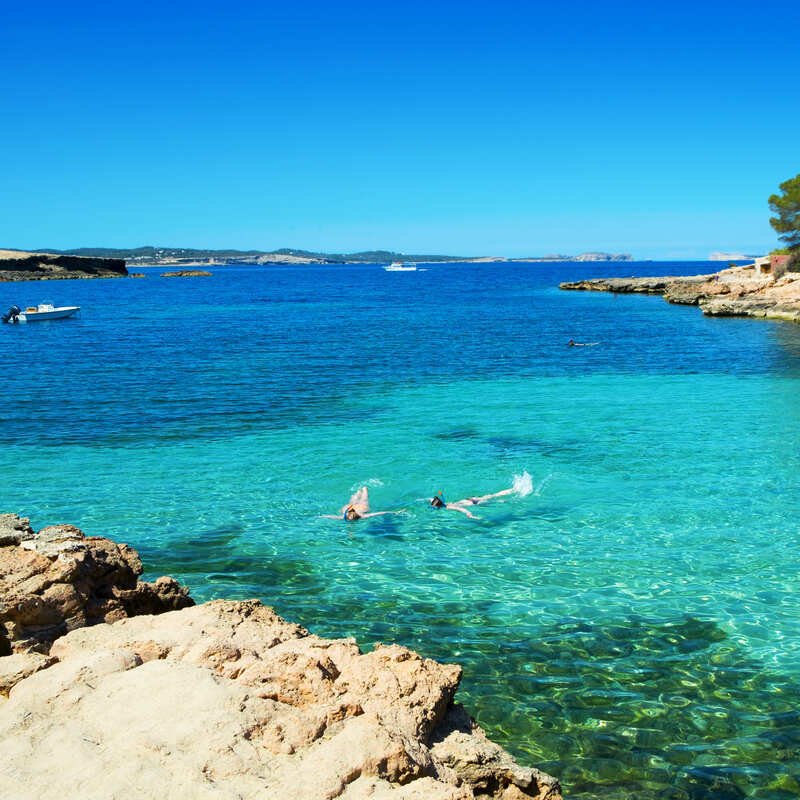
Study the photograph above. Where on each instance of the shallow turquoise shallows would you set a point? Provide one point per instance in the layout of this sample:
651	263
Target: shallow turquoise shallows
632	625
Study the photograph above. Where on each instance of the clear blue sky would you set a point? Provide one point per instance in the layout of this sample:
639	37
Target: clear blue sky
453	127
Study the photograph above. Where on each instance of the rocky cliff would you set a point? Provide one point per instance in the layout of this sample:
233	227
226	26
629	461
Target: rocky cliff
736	292
222	700
16	265
58	580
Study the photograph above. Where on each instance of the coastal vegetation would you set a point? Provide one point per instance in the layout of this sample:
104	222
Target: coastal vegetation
786	207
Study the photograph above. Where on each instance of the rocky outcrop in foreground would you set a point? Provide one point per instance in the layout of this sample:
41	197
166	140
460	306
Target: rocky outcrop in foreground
17	265
58	580
227	700
736	292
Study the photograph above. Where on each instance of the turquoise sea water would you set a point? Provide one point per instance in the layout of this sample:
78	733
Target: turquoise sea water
632	626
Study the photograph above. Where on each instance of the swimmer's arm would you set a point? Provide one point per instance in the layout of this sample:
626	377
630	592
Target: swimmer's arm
466	512
485	497
330	516
379	513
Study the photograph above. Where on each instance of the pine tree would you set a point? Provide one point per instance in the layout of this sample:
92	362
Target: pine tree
787	208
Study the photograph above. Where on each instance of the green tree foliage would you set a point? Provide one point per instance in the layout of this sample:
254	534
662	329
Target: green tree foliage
787	207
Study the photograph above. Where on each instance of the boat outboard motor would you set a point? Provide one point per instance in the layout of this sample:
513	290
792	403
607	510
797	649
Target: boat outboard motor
12	314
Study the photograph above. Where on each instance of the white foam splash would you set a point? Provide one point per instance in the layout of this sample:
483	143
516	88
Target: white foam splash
371	483
523	484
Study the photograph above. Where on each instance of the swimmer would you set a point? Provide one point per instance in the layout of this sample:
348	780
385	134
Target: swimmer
358	508
462	506
573	343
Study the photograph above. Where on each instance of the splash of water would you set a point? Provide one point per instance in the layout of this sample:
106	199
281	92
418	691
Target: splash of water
370	483
522	484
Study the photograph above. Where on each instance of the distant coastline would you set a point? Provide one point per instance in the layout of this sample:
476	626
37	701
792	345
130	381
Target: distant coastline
185	257
87	262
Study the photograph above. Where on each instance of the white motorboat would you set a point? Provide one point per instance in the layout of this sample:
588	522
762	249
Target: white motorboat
401	266
47	311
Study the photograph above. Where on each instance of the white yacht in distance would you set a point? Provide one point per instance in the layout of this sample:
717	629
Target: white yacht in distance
401	266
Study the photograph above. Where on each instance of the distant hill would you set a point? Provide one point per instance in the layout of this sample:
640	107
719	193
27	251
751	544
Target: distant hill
581	257
154	253
162	255
366	256
158	256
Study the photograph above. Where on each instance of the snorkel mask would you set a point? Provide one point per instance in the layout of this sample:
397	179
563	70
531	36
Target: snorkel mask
438	500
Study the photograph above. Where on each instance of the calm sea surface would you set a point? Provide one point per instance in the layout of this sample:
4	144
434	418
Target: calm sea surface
632	626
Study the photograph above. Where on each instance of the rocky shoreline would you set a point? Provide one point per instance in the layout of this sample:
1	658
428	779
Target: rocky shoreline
21	266
735	292
111	687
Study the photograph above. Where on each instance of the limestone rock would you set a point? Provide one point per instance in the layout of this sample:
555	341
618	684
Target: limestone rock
228	700
461	745
621	285
18	666
14	529
736	292
690	293
59	580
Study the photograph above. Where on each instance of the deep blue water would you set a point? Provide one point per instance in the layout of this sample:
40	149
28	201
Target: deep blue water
631	625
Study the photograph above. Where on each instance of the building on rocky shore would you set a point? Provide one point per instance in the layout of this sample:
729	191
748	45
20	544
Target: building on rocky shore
774	265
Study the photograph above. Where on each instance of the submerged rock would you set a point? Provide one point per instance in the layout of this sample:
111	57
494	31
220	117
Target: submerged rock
228	700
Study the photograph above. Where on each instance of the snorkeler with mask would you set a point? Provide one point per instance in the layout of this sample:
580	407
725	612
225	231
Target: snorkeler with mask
358	508
462	506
